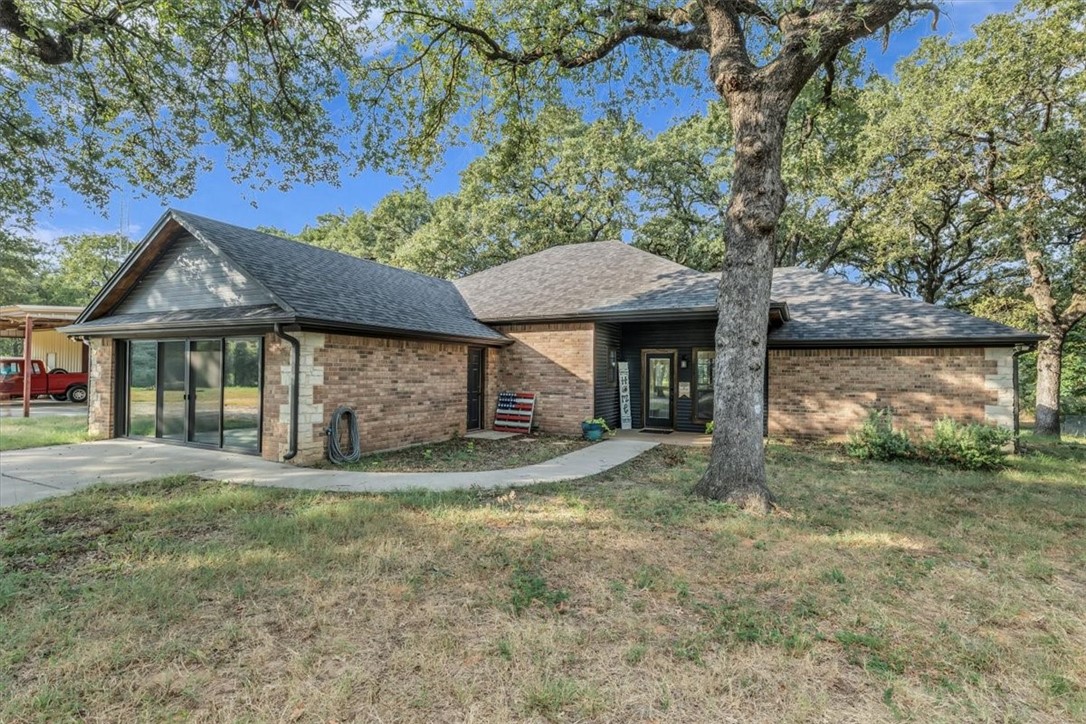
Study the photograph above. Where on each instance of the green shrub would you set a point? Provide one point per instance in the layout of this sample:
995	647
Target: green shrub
878	440
970	446
709	428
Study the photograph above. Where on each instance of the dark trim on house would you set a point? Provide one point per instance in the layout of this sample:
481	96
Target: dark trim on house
652	315
694	383
638	316
607	338
121	366
905	342
645	354
232	327
363	330
157	330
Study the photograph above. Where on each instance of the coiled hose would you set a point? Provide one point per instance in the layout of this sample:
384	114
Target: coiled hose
335	453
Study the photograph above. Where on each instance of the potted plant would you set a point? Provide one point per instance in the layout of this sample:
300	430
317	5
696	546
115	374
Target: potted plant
593	428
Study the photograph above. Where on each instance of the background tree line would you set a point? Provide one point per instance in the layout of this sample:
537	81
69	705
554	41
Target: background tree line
960	181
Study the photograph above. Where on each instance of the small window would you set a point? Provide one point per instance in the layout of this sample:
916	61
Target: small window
612	366
35	368
704	360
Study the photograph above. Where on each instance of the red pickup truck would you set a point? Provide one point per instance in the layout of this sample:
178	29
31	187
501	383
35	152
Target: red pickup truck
58	384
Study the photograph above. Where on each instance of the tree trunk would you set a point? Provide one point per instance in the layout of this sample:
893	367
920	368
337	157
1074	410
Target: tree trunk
736	471
1049	370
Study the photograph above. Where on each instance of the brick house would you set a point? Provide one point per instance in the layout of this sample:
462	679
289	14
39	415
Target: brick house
211	334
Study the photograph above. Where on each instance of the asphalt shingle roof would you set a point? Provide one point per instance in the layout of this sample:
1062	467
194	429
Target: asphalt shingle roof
330	287
823	307
594	280
586	280
601	278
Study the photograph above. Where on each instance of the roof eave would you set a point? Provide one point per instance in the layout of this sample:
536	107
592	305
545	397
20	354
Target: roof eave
180	326
396	333
634	316
1030	340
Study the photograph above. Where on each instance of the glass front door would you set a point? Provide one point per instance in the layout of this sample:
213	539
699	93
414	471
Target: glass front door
172	395
203	391
659	392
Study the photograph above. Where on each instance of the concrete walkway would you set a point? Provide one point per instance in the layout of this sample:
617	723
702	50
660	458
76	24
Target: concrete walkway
37	473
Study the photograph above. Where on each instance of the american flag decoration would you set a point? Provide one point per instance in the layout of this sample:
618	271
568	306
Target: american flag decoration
514	412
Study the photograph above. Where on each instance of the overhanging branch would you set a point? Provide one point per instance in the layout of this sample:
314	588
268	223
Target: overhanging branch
651	24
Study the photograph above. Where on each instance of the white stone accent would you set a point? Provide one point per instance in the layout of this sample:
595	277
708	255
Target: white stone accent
309	376
1002	382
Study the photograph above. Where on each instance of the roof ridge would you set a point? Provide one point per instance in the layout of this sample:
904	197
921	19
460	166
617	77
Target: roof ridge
307	245
558	248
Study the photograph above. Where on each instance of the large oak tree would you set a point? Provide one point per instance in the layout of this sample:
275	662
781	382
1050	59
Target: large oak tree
133	88
1001	120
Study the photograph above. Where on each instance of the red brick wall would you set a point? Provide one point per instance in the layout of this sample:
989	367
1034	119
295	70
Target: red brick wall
404	391
554	361
825	393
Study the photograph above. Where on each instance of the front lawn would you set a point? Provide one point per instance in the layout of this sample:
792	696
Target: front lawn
463	454
17	433
880	592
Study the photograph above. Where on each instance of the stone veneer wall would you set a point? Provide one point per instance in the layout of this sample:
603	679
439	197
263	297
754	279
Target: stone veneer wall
404	391
825	393
491	387
100	382
554	361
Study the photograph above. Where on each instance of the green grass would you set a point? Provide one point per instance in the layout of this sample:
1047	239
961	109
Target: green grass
878	592
17	433
462	454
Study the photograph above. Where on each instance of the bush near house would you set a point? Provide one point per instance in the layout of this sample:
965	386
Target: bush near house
878	440
970	446
973	447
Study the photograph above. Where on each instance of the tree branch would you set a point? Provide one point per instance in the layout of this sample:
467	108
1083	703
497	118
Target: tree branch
650	24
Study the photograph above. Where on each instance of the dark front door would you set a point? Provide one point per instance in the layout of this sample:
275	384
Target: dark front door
475	387
659	389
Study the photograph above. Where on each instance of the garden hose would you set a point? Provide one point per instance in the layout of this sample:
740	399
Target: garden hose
335	453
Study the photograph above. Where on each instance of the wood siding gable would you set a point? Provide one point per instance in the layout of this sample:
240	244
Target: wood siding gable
190	275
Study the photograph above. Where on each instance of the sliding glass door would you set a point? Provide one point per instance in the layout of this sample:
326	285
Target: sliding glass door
201	391
205	392
172	394
241	394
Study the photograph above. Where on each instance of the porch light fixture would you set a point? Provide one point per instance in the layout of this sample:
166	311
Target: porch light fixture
684	361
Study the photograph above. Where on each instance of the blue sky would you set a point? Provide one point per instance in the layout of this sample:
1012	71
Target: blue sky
217	196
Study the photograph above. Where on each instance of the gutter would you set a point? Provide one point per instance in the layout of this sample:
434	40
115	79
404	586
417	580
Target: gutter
295	364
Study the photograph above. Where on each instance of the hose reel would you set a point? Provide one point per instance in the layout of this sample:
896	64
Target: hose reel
335	452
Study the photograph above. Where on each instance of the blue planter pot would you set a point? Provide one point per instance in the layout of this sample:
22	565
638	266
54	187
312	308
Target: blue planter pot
591	432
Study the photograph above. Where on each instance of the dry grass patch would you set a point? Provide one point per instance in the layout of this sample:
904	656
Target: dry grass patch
881	592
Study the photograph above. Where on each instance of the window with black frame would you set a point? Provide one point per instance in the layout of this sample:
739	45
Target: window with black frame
703	383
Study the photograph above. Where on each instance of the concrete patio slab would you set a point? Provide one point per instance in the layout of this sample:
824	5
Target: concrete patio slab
37	473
